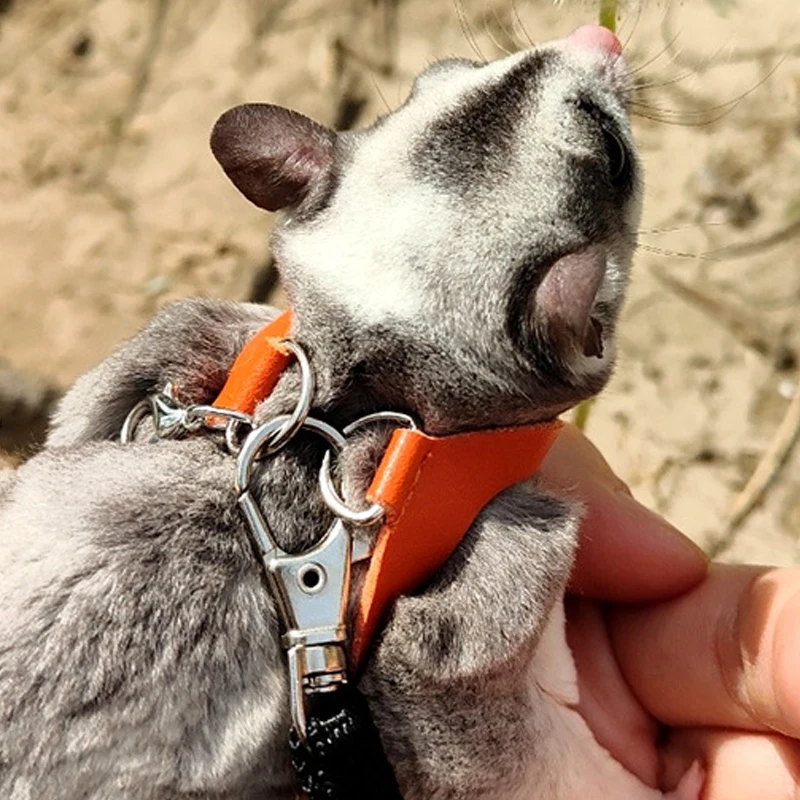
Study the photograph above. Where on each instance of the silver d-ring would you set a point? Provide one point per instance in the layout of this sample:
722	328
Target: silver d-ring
259	437
373	514
144	408
368	516
295	420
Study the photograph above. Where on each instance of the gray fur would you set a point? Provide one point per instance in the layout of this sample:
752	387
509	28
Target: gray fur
449	681
139	655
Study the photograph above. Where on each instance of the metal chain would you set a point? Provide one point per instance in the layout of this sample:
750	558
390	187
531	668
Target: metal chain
172	419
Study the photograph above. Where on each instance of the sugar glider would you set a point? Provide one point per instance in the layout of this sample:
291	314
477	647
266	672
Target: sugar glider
464	260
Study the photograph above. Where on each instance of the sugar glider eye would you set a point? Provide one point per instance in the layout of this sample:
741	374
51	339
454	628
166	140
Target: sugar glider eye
619	164
616	153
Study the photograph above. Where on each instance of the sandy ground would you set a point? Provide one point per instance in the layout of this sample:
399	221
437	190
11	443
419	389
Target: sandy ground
112	204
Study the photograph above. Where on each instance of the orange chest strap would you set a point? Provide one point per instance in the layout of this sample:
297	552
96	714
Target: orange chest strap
431	488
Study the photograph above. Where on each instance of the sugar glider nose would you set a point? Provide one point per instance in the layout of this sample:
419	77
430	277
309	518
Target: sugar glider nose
596	37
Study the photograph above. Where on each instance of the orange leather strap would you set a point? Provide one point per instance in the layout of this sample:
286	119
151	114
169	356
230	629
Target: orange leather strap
257	368
432	488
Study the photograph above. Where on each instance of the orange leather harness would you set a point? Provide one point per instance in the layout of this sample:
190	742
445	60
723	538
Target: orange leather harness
431	487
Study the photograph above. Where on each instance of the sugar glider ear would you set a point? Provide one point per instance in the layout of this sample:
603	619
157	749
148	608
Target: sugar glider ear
274	156
565	298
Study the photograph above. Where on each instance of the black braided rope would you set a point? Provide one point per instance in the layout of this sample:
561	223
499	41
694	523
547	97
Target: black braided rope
342	758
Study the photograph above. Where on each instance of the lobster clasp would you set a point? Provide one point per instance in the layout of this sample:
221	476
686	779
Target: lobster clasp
311	589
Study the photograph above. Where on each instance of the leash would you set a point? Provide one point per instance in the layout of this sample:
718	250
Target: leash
426	493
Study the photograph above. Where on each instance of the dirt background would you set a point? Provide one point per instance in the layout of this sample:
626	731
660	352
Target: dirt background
112	206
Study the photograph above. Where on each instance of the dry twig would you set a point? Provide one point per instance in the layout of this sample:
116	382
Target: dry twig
764	475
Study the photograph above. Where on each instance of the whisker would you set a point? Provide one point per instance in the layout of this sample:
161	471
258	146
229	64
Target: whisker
743	56
465	29
509	34
671	112
635	70
685	123
676	253
636	20
690	226
660	84
488	31
379	91
698	117
746	249
674	113
515	12
705	63
677	57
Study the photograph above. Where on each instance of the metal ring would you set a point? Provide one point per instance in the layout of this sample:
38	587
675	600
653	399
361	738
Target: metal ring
373	514
202	416
297	418
368	516
231	437
259	437
406	420
142	409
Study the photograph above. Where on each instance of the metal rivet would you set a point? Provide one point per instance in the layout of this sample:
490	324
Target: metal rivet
311	578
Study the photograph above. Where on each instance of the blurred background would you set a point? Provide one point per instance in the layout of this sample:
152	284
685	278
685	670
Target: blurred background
113	206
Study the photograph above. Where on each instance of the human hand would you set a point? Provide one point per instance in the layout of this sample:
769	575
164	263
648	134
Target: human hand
684	671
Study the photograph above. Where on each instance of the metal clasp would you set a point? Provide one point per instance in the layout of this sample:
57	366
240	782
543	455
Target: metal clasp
311	588
169	416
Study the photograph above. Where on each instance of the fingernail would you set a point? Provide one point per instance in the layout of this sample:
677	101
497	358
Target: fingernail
690	785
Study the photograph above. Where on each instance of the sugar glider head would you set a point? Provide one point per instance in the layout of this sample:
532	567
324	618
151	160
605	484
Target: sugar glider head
479	237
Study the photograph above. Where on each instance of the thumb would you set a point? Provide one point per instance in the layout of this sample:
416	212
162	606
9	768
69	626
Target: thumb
626	552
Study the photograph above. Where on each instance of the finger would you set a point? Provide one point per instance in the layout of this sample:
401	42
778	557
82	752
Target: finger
615	717
737	766
725	654
626	553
